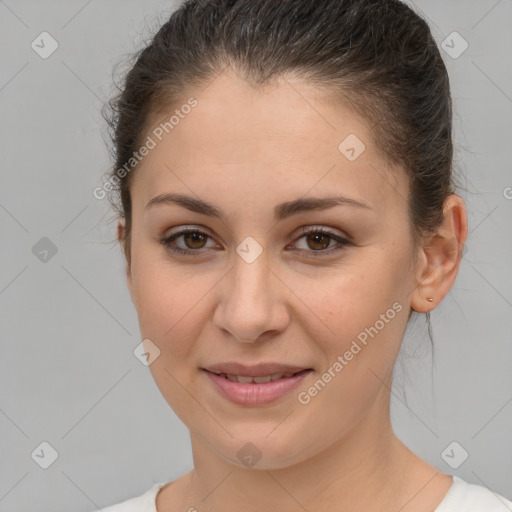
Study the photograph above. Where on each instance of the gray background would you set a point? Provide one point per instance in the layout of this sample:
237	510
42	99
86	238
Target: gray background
68	375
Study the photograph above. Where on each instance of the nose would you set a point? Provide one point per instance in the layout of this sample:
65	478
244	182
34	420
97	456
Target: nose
252	301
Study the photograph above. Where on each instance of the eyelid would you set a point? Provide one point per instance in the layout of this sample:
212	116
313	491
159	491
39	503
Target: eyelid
341	240
188	228
168	239
313	228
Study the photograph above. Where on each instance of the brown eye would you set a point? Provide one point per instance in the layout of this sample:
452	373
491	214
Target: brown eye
194	240
318	241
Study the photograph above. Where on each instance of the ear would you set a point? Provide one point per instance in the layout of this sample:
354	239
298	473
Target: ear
121	237
440	257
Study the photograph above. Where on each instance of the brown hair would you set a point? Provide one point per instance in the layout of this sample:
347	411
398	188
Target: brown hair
377	56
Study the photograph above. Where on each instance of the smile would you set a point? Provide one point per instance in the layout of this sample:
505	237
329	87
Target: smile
251	391
257	380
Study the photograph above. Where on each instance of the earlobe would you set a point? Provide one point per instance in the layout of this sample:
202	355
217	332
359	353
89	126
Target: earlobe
440	257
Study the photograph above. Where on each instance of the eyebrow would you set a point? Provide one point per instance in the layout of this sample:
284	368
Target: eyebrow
281	211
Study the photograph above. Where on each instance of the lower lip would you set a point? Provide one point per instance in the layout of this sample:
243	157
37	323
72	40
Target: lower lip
252	394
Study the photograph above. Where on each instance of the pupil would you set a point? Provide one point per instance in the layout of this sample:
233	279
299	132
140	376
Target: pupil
320	236
198	237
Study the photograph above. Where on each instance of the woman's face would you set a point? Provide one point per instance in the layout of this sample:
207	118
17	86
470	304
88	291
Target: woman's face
254	288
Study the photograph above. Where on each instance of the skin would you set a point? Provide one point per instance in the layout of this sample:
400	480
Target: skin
245	151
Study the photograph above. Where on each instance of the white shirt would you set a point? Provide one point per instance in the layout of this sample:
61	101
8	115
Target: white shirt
461	497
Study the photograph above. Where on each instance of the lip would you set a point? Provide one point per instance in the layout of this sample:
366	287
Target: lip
255	394
258	370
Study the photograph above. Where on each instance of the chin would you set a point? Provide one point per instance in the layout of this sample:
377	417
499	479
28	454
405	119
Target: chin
267	449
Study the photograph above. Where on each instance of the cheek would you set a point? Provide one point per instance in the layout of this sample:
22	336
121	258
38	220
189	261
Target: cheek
364	315
168	304
168	308
366	320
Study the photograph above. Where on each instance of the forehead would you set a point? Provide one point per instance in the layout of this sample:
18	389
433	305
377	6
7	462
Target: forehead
279	140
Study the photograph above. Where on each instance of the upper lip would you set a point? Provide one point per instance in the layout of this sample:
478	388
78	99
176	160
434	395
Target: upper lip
258	370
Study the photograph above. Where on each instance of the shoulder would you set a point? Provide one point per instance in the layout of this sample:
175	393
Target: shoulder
466	497
145	502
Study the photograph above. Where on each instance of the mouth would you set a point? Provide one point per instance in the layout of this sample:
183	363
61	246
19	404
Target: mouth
247	379
267	369
256	385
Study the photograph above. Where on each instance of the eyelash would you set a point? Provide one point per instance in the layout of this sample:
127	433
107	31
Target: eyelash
168	242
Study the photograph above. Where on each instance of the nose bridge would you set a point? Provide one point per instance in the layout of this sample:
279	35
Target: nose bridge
250	278
248	304
250	284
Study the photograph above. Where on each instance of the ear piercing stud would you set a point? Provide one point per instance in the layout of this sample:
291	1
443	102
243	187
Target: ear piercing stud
430	299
